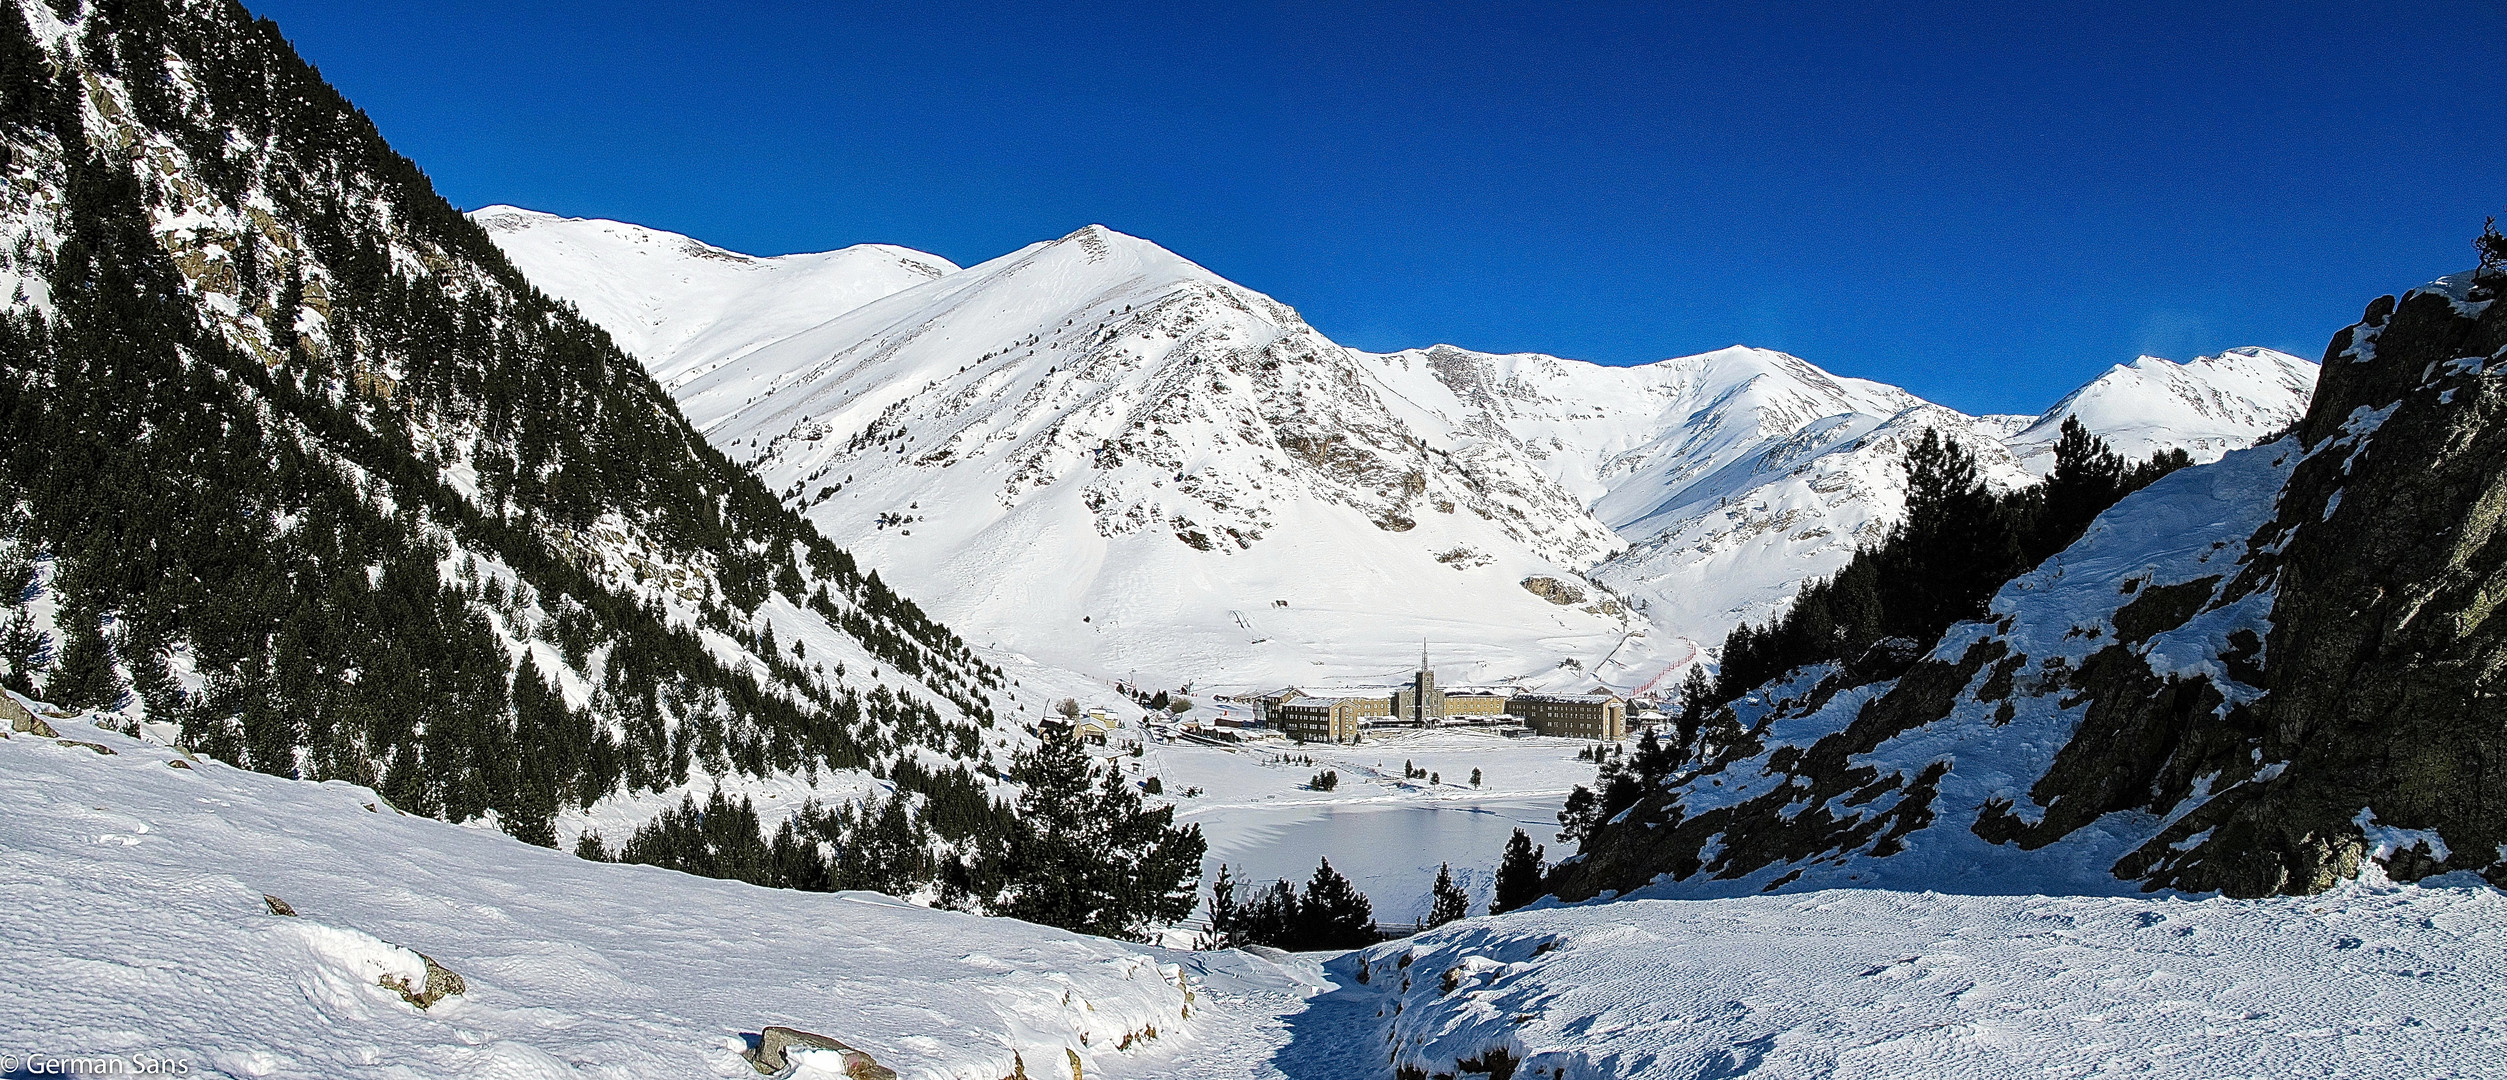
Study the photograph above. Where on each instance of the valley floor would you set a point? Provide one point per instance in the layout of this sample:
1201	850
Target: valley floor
1387	834
132	924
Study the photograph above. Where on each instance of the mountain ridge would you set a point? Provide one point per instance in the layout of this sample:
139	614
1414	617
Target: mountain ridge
307	475
1680	497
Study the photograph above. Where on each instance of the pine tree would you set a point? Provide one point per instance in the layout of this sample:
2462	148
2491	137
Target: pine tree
25	650
2491	246
1088	856
2087	479
1333	914
85	678
1272	918
1957	546
25	82
1225	914
1518	875
1447	900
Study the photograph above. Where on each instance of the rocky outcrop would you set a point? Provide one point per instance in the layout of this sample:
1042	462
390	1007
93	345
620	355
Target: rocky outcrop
2384	661
1553	590
772	1055
440	983
2254	677
23	721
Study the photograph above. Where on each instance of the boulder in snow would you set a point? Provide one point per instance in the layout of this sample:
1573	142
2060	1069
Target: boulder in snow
782	1050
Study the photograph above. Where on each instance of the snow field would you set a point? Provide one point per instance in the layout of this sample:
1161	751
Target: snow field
2371	980
1387	835
132	922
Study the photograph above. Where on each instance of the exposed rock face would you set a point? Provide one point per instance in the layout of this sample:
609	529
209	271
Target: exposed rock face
2384	660
2252	678
1553	590
441	982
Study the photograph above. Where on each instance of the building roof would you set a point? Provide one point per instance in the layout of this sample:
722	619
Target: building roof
1570	699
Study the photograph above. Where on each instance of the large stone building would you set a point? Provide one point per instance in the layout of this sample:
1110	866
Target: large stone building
1330	719
1602	717
1420	703
1267	705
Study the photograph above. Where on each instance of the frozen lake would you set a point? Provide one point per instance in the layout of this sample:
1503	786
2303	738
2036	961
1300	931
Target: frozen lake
1390	850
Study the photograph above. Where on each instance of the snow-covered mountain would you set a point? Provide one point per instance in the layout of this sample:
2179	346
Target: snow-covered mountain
2263	675
2205	407
1098	454
309	474
680	305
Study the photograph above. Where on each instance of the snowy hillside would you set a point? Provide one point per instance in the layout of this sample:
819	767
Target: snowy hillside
138	932
2372	980
1946	761
2206	407
1104	457
681	306
138	928
302	468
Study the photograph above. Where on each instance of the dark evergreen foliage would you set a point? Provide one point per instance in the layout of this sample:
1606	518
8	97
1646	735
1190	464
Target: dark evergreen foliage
1958	545
1519	874
1446	900
277	508
1623	780
1087	855
1331	914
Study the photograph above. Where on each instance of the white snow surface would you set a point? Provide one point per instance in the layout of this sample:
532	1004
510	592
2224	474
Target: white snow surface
681	305
133	924
2368	980
1100	456
2206	407
134	929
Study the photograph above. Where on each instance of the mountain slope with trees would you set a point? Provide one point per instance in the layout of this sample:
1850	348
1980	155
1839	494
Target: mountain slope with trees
302	472
2258	676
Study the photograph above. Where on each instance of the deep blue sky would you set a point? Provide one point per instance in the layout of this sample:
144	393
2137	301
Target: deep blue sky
1986	205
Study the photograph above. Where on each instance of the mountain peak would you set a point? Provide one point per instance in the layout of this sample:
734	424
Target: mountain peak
2206	406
